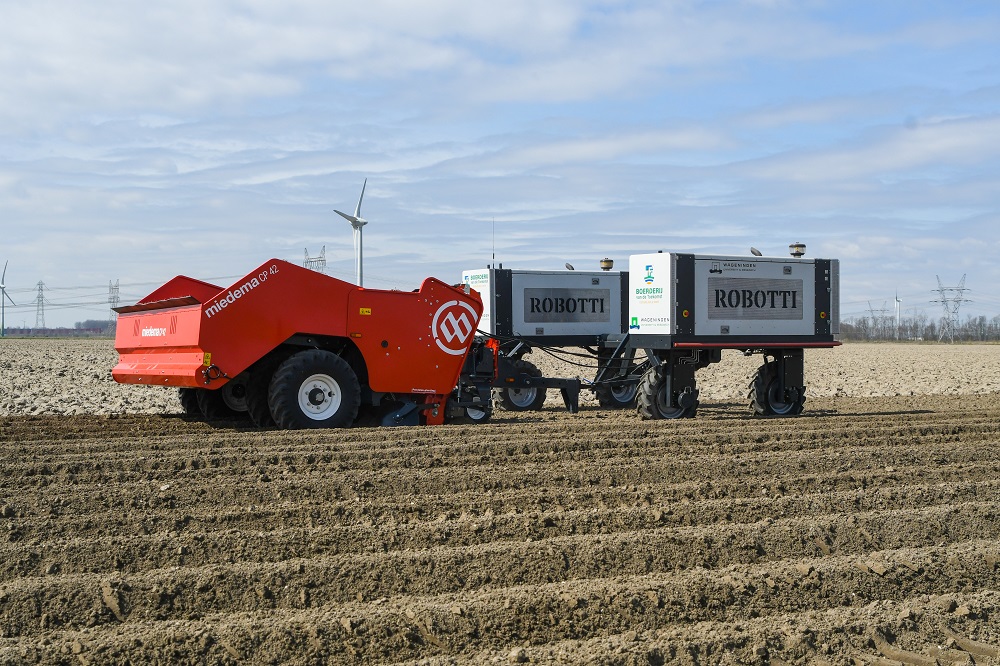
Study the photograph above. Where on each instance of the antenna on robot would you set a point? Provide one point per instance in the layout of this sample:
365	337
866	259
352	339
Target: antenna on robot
357	222
3	301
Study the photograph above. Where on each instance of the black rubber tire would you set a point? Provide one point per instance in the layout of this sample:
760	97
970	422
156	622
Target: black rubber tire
258	385
522	399
314	389
189	401
764	398
651	398
621	396
214	408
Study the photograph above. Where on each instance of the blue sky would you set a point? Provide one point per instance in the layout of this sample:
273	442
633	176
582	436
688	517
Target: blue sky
202	137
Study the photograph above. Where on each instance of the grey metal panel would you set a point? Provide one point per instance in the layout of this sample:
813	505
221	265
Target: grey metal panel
683	290
835	296
623	283
822	313
503	302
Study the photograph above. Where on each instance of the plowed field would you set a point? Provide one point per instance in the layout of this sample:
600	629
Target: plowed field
866	529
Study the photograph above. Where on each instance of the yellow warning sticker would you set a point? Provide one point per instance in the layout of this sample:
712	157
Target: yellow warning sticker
208	359
365	311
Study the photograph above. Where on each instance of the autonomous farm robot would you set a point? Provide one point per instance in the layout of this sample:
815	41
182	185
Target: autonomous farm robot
289	347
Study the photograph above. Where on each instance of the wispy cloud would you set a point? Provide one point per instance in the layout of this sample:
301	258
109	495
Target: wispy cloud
139	141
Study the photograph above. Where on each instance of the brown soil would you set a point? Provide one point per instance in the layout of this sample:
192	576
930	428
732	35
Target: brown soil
864	531
866	528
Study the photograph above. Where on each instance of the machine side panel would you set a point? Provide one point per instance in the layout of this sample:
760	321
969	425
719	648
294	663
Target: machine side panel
414	342
754	296
823	313
501	301
235	327
835	296
686	307
482	281
652	294
562	303
159	347
687	301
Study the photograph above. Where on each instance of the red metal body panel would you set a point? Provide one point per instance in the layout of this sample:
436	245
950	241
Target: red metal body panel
183	286
412	342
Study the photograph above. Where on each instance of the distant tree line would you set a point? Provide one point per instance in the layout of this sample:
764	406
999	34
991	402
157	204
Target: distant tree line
920	327
95	324
91	328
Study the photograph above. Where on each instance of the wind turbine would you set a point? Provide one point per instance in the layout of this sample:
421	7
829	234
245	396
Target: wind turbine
898	301
357	222
3	301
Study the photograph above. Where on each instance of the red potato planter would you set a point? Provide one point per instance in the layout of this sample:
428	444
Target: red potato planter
297	349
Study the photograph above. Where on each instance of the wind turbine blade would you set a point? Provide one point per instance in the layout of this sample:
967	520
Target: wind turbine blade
4	277
357	211
10	299
350	218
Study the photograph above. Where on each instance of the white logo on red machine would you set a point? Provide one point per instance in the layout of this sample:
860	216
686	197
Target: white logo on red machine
453	325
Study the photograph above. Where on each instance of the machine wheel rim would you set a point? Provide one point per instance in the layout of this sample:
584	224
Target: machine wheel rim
776	401
664	407
475	413
522	397
320	397
234	394
624	393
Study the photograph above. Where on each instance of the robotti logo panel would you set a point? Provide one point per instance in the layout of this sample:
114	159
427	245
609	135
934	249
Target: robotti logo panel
453	324
754	298
555	305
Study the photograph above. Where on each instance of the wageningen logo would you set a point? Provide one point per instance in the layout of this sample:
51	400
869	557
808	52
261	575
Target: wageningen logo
648	279
453	325
634	325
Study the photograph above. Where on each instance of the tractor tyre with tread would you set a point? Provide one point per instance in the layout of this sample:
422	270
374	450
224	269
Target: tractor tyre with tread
214	408
314	389
652	401
522	399
258	385
765	394
189	401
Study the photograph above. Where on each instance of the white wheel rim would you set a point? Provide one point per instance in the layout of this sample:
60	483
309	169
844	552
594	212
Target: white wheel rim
522	397
475	413
320	397
624	392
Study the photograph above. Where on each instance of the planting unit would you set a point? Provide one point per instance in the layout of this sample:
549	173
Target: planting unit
298	349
